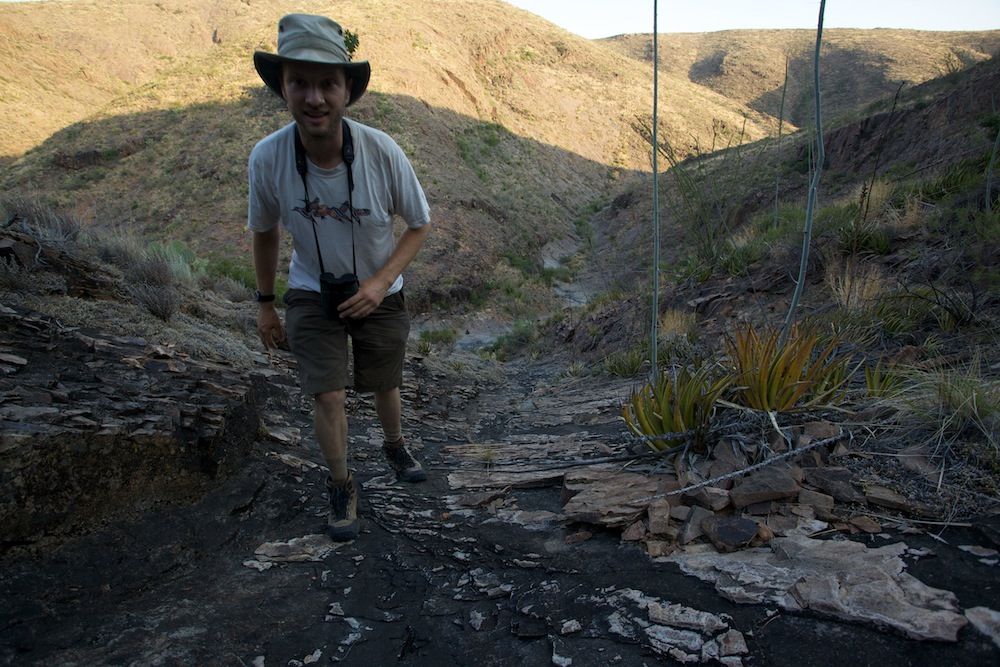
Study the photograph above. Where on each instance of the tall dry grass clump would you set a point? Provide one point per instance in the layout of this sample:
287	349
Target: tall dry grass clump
855	283
953	404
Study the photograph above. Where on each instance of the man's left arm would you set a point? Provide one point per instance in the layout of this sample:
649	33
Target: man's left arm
372	290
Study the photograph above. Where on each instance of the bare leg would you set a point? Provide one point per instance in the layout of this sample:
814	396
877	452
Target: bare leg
407	468
389	411
330	421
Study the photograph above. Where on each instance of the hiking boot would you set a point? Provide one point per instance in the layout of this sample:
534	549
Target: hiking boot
343	522
407	468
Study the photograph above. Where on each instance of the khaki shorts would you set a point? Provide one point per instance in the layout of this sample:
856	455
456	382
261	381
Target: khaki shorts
320	344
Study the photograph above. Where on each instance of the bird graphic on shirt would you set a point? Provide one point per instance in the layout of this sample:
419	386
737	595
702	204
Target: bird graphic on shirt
314	210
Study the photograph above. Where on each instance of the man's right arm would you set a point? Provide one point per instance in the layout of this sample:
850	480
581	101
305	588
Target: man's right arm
265	264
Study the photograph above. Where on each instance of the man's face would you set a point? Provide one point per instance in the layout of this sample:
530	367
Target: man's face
316	96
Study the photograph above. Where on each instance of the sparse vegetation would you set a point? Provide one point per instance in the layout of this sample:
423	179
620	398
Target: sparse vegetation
166	282
515	341
442	337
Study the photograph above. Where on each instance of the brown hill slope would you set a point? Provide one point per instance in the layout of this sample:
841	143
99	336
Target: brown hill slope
61	61
514	126
481	58
857	66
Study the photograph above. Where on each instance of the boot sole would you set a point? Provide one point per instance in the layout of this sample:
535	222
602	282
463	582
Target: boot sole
412	477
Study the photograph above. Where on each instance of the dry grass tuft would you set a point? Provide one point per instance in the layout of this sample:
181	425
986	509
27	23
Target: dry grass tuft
951	405
675	323
161	301
856	284
41	222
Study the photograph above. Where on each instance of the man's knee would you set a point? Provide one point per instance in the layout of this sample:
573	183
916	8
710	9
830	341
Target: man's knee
331	402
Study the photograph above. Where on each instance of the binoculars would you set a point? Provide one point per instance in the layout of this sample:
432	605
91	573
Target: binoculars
335	290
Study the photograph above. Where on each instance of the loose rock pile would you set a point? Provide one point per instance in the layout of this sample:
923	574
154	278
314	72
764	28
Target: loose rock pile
723	511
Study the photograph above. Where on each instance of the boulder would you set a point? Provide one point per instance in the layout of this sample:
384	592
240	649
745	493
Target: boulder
709	497
729	533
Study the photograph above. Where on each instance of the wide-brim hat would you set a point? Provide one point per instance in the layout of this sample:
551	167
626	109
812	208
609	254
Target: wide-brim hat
305	38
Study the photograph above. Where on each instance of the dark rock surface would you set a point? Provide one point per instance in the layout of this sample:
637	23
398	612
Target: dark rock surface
93	426
439	575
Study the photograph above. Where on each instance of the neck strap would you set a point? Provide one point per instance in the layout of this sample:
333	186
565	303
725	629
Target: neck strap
301	165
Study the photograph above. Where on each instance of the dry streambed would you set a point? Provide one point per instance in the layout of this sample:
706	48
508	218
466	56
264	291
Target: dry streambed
529	542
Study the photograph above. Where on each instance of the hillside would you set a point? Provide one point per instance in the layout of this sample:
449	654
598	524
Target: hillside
902	216
506	169
857	66
518	129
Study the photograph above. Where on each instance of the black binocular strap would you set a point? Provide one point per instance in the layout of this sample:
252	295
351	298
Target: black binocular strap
347	155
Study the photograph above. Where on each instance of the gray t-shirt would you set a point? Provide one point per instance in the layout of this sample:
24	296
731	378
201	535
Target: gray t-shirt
384	185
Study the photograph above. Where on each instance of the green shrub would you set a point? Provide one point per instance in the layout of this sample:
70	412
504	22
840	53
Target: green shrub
882	382
521	335
626	363
737	260
960	177
439	336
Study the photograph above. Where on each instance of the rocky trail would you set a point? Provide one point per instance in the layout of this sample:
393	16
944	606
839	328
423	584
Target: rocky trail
510	552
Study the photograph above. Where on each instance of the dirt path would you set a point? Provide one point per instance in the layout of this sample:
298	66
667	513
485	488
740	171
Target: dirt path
432	580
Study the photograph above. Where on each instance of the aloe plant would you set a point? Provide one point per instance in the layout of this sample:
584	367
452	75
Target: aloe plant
778	376
674	404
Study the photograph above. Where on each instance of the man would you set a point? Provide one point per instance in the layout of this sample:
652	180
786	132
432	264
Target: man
335	185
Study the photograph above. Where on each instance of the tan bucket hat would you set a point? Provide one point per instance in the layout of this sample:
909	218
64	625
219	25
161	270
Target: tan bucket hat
311	39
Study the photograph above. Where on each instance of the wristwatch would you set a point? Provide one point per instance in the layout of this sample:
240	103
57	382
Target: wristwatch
263	298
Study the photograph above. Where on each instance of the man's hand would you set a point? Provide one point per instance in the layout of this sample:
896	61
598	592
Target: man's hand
269	326
369	297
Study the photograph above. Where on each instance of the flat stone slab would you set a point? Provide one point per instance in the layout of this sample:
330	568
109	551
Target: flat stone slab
609	498
836	482
518	465
298	549
771	483
837	578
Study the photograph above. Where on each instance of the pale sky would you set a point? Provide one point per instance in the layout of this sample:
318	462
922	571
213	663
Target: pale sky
598	18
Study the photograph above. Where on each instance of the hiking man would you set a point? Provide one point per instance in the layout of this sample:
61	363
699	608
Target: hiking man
335	184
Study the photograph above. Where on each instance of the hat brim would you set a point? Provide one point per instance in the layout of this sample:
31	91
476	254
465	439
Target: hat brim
268	66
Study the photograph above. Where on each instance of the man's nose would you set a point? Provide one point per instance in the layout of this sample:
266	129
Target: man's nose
314	95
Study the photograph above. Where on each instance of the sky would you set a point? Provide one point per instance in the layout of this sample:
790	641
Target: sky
599	18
